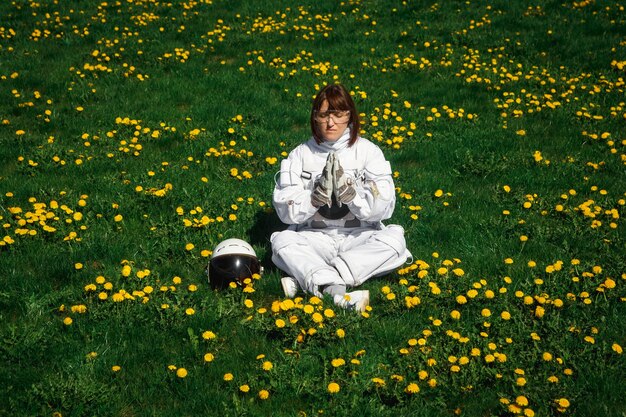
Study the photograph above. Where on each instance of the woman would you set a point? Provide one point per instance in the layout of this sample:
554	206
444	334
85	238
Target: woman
334	191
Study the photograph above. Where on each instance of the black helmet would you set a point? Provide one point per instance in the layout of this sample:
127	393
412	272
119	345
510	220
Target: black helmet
232	260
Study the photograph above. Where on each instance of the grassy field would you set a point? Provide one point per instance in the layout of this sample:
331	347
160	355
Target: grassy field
137	134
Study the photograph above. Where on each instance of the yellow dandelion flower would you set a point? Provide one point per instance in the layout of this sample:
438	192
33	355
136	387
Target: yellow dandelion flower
208	335
181	372
264	394
458	272
336	363
539	312
378	381
562	402
126	270
412	388
315	300
333	388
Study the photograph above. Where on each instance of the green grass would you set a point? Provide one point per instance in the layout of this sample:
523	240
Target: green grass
496	104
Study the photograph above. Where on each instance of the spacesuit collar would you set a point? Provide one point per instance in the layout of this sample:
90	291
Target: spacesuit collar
340	143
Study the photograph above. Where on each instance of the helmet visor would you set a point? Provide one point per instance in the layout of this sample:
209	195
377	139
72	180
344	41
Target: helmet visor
228	268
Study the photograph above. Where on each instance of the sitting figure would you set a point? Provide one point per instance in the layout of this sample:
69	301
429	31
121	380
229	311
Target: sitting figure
334	191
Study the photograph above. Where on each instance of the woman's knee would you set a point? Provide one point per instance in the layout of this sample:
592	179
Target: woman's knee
285	238
392	236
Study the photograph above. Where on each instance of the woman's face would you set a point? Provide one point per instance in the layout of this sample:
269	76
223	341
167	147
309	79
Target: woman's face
332	124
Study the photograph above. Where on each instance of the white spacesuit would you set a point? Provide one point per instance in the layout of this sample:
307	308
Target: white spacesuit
346	244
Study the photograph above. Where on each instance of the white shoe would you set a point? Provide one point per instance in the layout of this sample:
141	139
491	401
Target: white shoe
290	286
355	300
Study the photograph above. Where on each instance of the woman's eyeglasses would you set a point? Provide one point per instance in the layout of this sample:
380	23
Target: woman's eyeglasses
337	116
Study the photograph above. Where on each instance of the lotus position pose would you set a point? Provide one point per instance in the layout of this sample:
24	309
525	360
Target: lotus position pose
334	191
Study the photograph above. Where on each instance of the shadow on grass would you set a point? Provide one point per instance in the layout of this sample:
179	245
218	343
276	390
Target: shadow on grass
265	223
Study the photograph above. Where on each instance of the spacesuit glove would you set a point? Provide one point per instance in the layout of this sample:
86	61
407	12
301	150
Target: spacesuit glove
343	185
321	195
323	189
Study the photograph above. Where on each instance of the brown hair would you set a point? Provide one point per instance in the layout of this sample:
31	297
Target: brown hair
338	99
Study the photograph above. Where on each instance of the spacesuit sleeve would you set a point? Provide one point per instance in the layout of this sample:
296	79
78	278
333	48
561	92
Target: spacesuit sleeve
376	195
291	197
